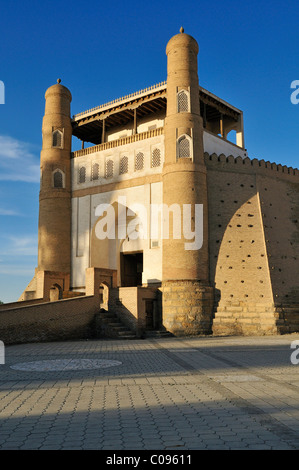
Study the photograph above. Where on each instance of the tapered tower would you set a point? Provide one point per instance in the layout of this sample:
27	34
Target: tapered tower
54	230
187	296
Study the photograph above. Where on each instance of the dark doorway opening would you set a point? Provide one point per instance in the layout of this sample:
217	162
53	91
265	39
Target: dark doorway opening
149	315
131	266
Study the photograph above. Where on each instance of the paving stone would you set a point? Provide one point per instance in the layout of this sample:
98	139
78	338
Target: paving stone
168	393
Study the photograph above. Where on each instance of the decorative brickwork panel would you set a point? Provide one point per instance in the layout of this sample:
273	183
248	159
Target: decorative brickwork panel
123	165
156	157
109	169
57	139
183	101
95	171
82	174
184	148
58	179
139	161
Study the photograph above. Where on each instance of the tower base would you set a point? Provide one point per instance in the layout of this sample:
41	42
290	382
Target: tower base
187	307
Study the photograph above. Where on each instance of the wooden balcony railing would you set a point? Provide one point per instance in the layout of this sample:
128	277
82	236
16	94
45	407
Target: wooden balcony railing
116	143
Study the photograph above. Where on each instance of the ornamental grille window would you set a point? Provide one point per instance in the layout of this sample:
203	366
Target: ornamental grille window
57	139
156	158
184	147
183	101
82	174
109	169
58	179
95	172
139	161
124	165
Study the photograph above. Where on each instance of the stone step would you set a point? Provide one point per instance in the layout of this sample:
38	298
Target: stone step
118	327
111	326
157	334
126	334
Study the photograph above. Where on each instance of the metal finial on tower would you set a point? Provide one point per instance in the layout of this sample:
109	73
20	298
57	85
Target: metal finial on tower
59	80
181	29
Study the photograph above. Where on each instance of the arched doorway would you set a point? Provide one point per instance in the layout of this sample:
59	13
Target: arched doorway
114	252
56	293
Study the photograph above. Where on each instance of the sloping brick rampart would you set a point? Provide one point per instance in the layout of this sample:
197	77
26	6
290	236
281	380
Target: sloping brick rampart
253	245
51	321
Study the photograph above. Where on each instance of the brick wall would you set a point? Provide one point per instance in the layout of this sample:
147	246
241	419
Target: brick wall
123	302
23	303
129	304
65	319
187	307
253	245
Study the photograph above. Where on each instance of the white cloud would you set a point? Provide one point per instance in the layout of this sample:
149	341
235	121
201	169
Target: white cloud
18	162
8	212
12	270
19	246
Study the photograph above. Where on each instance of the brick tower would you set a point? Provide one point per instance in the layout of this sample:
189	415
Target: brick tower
187	295
54	230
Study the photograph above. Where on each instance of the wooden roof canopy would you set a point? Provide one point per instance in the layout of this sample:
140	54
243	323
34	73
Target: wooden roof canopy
88	125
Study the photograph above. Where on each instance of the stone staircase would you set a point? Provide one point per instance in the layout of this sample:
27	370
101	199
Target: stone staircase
108	325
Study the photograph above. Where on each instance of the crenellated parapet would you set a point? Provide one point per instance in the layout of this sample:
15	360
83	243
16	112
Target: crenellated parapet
243	165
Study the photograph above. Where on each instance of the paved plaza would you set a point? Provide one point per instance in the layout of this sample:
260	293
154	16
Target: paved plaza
153	394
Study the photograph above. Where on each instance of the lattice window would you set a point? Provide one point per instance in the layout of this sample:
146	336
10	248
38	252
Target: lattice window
109	169
57	139
139	161
82	174
183	101
95	171
58	179
123	165
184	147
156	158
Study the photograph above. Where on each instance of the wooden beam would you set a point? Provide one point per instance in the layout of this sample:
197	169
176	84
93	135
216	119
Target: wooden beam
221	125
103	130
221	108
123	107
135	121
204	115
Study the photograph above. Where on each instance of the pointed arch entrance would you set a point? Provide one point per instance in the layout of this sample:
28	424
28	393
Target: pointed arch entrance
56	293
125	255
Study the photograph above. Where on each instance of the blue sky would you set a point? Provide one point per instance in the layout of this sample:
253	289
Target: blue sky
248	55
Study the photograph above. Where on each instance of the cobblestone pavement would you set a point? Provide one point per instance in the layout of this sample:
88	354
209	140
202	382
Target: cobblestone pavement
153	394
